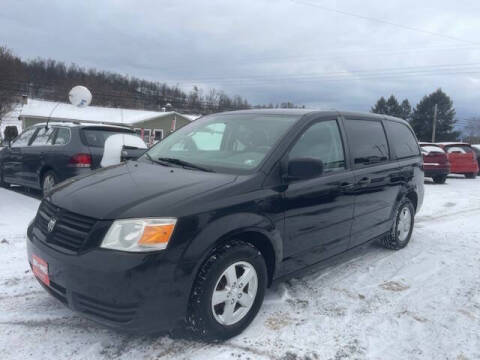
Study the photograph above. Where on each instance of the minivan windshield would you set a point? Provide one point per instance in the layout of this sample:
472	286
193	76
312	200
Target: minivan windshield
235	142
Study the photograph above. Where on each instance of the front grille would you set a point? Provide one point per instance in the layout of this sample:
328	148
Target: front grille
70	231
108	311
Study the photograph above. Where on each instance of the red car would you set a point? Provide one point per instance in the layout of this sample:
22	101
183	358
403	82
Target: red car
435	162
463	159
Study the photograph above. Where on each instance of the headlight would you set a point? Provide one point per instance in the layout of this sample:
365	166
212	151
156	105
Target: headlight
137	235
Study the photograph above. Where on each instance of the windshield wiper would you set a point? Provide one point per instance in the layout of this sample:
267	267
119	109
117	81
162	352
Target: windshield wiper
149	157
184	164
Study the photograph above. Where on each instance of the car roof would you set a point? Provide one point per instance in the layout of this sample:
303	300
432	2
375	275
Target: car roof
301	112
80	124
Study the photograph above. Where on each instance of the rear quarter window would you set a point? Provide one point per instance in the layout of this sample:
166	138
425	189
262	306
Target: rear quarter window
96	137
368	142
402	141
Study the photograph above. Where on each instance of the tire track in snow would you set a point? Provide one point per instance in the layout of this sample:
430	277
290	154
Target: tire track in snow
452	215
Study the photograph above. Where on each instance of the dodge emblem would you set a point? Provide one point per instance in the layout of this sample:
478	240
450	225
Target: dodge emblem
51	224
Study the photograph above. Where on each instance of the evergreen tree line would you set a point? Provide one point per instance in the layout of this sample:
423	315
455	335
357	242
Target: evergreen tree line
51	80
421	116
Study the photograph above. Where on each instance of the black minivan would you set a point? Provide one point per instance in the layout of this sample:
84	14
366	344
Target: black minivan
194	231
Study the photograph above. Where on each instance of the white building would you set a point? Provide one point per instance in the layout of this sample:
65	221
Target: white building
151	125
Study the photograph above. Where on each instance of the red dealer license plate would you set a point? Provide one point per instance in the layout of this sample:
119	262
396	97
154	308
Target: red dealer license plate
40	269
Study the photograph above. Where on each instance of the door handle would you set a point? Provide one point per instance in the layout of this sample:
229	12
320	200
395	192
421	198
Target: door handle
364	181
346	186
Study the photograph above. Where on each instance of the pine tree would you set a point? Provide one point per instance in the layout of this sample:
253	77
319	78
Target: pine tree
406	110
380	107
393	107
422	118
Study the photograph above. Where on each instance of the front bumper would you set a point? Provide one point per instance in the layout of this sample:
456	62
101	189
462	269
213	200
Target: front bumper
135	292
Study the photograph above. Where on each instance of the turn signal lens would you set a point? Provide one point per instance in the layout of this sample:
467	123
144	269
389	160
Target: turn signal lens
156	234
139	235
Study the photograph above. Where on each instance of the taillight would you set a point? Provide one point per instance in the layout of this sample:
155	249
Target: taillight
80	161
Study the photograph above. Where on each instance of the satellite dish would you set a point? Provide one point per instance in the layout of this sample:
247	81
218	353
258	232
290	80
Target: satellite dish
80	96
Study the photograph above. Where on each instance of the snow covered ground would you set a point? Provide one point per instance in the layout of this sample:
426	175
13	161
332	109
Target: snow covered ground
422	302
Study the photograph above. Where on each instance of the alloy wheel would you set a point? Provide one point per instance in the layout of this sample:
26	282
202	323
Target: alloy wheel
404	223
234	293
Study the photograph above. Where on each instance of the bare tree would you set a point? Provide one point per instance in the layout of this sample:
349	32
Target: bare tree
471	131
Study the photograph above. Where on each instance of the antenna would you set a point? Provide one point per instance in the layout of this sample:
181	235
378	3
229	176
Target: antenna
50	116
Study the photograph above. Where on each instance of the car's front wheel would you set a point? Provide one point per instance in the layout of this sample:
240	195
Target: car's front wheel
228	292
402	228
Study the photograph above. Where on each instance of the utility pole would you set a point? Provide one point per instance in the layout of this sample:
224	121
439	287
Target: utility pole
435	111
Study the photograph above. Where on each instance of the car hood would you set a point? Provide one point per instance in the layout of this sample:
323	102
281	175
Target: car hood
136	189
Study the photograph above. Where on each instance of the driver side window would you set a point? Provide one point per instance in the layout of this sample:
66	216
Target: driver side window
321	141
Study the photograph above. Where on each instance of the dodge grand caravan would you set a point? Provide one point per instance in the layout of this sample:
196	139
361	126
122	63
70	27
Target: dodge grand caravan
192	233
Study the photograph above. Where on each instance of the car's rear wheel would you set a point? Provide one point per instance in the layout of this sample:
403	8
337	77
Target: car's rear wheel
228	292
402	228
439	179
48	182
2	182
471	176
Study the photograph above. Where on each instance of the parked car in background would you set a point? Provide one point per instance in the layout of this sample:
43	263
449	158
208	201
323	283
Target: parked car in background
196	229
435	162
42	156
462	158
476	149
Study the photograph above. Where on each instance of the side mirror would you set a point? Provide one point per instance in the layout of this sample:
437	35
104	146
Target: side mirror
304	168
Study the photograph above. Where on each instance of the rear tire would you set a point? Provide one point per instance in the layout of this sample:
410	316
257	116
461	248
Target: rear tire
49	180
222	305
402	228
2	182
439	179
471	176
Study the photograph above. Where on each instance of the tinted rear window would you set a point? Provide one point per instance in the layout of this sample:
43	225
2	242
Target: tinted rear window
368	143
95	137
402	140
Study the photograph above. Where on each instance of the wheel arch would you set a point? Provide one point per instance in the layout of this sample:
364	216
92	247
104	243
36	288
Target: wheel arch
43	170
250	228
413	197
409	193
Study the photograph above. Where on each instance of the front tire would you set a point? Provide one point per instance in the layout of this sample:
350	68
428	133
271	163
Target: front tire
471	176
228	292
402	228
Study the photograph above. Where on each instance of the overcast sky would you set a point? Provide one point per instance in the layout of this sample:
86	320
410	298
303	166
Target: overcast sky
321	53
